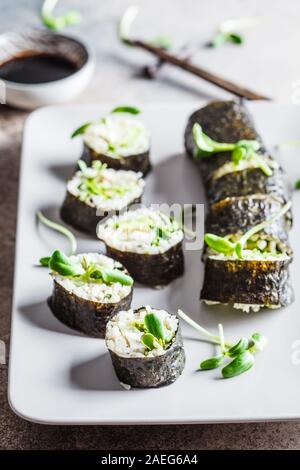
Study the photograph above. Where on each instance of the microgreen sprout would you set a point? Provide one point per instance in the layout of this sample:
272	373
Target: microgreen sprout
126	22
225	246
241	150
80	130
57	22
239	355
119	109
222	37
58	228
154	333
227	31
126	109
87	272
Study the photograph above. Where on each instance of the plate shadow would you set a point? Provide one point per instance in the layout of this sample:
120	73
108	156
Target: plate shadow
95	374
40	315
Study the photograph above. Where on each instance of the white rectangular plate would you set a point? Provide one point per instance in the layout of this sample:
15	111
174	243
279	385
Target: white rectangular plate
61	377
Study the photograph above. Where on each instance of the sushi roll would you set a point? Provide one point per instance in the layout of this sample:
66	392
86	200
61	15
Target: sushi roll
119	139
147	242
227	122
247	252
97	191
89	289
236	215
260	279
146	347
248	270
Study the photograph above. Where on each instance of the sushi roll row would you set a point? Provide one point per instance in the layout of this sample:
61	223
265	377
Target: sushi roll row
92	292
247	252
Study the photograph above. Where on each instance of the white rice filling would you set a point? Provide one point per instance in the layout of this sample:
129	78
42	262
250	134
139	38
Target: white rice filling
247	308
232	167
118	135
138	231
117	188
251	255
125	340
94	291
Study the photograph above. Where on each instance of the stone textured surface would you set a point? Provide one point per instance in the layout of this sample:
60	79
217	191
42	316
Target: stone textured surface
265	63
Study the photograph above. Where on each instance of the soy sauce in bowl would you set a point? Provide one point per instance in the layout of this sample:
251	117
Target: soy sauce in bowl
39	68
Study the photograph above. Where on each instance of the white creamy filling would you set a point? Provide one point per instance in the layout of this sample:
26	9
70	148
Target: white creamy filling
118	135
117	188
94	291
231	167
251	255
247	308
138	231
125	340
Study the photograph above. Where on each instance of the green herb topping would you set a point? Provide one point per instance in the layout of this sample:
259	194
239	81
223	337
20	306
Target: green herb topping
222	37
240	355
126	109
87	272
58	228
154	333
246	242
241	150
57	22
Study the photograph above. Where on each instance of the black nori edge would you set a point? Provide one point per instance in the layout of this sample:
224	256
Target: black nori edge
138	162
149	372
84	315
153	270
82	216
247	282
238	214
247	182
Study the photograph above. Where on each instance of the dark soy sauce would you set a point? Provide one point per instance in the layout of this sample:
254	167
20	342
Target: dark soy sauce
40	68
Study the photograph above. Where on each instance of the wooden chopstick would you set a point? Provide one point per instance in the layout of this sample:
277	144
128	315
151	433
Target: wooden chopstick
185	64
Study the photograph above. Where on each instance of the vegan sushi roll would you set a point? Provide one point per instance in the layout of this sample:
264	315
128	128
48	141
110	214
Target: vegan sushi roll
89	289
95	192
147	242
248	271
236	215
247	252
239	163
119	139
146	347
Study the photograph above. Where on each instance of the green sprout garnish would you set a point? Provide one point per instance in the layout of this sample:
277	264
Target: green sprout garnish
96	185
241	150
80	130
223	245
120	109
297	184
164	42
126	109
154	334
44	261
222	37
240	355
58	22
87	272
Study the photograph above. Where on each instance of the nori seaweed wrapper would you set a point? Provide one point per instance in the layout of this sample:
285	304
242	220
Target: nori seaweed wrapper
247	282
228	121
223	121
139	162
237	215
149	372
246	182
153	270
84	315
82	216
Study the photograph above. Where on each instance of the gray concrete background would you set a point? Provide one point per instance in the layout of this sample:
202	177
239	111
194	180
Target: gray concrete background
268	62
